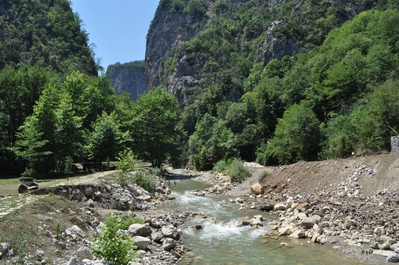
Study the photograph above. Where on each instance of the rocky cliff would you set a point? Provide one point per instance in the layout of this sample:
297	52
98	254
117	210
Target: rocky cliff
128	77
179	57
168	30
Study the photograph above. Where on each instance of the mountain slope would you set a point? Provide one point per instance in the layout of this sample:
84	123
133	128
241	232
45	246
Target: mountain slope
46	33
278	81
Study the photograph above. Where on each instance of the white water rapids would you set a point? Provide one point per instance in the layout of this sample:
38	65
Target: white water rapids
222	241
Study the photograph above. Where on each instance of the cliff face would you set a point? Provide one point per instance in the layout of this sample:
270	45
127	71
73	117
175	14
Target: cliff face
168	30
128	77
180	55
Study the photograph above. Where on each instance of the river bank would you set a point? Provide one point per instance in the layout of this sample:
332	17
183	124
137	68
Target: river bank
346	206
349	205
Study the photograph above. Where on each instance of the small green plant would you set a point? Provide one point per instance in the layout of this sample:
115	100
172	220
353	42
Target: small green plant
113	246
59	228
125	165
128	218
108	165
14	203
69	165
263	175
22	249
237	171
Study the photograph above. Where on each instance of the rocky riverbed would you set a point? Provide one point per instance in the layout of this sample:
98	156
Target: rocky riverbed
344	213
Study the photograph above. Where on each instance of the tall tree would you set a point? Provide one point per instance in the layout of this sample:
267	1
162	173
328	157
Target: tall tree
155	126
106	139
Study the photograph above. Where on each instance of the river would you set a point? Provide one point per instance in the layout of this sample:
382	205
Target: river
221	241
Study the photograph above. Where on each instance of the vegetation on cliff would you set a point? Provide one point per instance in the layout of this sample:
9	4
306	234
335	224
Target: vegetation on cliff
45	33
288	81
56	110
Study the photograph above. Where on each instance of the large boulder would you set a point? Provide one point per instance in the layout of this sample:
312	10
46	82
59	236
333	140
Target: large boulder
308	222
84	253
280	207
257	189
168	244
139	230
171	232
393	257
141	242
267	205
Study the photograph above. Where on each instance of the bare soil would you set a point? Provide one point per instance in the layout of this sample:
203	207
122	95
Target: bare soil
373	174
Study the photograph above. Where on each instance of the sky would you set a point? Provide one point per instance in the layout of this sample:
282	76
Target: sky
118	28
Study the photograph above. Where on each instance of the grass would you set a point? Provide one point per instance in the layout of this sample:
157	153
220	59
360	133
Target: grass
21	225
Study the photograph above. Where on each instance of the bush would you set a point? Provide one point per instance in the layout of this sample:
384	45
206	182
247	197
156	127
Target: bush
146	181
220	166
237	171
125	165
113	246
263	175
128	218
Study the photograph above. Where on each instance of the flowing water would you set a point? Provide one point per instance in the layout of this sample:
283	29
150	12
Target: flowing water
222	242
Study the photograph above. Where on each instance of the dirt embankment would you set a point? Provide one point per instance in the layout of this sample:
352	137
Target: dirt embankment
371	173
355	202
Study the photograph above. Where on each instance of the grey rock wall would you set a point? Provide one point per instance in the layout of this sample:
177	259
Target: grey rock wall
128	77
395	144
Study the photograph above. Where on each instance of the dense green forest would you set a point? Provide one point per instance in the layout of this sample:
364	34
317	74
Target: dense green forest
336	94
54	108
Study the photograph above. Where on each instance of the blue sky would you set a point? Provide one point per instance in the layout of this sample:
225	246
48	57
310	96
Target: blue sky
117	27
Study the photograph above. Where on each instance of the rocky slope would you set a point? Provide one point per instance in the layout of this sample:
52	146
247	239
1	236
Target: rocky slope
171	64
351	204
169	30
128	77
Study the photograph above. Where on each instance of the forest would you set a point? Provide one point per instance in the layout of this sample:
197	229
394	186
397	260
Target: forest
56	111
337	95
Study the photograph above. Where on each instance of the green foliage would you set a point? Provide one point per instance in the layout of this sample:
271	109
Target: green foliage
106	140
125	165
128	218
263	175
237	171
19	91
155	126
59	228
45	33
341	138
220	166
195	8
112	245
145	180
297	136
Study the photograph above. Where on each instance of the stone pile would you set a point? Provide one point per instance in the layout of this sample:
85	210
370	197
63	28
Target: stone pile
106	196
343	213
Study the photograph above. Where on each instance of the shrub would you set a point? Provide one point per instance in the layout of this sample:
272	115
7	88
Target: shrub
125	165
237	171
263	175
113	246
220	166
128	218
146	181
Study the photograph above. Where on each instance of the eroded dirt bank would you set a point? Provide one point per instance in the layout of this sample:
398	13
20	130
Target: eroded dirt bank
351	204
